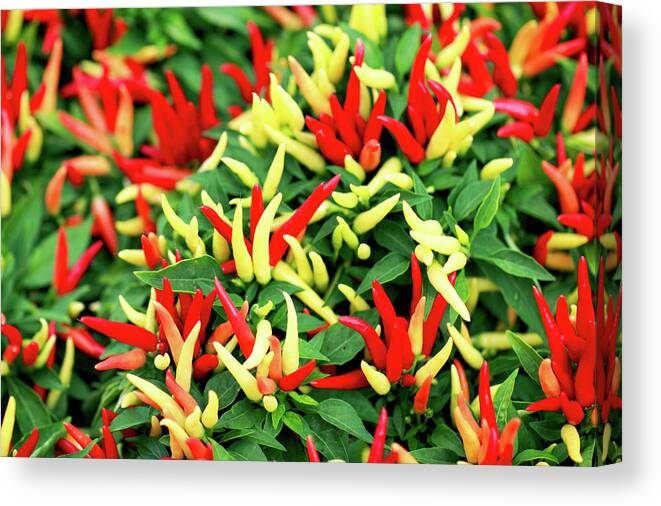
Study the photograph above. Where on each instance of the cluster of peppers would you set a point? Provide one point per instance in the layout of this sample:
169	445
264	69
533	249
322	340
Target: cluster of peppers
176	327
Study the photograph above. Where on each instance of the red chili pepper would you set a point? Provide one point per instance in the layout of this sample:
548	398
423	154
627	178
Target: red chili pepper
105	223
443	97
239	325
123	332
375	346
548	404
84	440
579	222
417	124
422	396
571	409
107	416
183	398
489	450
566	193
127	361
30	353
585	325
406	142
394	359
198	449
352	97
240	79
518	129
203	365
256	209
370	155
221	225
544	119
29	445
416	282
61	264
344	125
313	455
352	380
559	358
293	380
541	250
487	411
331	147
433	322
401	336
517	109
299	219
109	444
151	251
379	440
418	69
385	308
462	378
208	117
571	340
374	127
66	446
78	269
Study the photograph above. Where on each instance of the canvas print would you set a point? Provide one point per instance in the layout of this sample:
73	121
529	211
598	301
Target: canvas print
358	233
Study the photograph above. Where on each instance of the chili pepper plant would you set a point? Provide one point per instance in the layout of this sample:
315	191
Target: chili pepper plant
368	233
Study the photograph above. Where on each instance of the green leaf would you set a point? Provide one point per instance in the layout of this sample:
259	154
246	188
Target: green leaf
226	389
532	454
339	344
488	208
185	276
47	378
243	415
219	452
519	264
386	269
435	455
48	437
406	49
517	292
527	355
502	400
446	438
31	412
393	236
342	415
132	418
247	450
470	198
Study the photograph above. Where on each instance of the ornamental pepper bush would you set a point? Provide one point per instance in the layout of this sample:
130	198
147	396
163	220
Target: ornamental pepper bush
370	233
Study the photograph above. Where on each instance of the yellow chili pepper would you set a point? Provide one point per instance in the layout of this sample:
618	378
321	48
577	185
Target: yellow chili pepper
7	427
455	48
193	425
290	357
440	140
364	251
171	331
307	156
338	59
274	174
433	366
303	267
45	352
319	271
465	346
566	241
313	96
571	438
260	249
246	381
348	200
367	220
66	371
132	227
375	78
495	167
270	403
424	254
214	158
377	380
441	283
285	107
244	263
354	168
185	364
415	326
392	165
162	362
469	438
154	427
159	397
283	272
179	434
11	33
356	302
210	413
261	346
443	244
